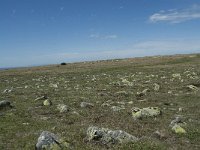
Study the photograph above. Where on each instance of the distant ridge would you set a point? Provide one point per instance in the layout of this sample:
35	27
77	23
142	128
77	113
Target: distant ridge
4	68
8	68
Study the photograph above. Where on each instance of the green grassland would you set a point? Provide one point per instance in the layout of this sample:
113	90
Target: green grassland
101	82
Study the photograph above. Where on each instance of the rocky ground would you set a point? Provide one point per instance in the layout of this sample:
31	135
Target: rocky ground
140	103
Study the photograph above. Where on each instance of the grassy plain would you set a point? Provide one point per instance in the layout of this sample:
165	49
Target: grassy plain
98	83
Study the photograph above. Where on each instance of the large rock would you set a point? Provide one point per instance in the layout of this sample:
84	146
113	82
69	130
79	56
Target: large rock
138	113
106	136
50	141
5	104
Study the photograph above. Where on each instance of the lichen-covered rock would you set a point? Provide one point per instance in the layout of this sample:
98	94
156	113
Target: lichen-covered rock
62	108
178	129
47	103
138	113
106	136
86	105
176	125
50	141
5	104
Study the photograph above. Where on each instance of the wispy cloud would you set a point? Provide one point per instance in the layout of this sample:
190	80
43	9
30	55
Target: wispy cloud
176	16
98	36
110	36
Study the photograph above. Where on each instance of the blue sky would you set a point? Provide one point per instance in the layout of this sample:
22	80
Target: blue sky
36	32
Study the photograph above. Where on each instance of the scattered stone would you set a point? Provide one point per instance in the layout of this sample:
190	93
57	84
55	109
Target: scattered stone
26	123
62	108
178	120
106	136
192	87
7	91
169	92
107	103
180	109
53	85
75	113
49	141
5	104
176	75
138	113
142	100
126	82
47	103
143	93
86	105
130	102
44	97
156	87
159	134
117	108
121	93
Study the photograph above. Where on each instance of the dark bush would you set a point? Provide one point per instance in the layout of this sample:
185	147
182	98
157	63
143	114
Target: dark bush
63	63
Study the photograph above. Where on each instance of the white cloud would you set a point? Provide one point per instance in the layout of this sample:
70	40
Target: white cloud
98	36
110	36
176	16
